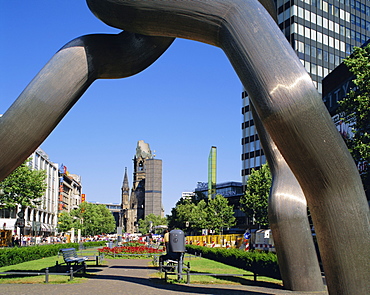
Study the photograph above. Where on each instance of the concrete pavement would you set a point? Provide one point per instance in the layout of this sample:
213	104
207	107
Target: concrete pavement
132	276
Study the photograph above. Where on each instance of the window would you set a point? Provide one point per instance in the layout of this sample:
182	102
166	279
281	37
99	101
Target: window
336	44
326	72
342	14
319	71
313	17
319	53
307	15
307	32
326	55
331	58
307	66
313	35
300	12
319	37
313	51
325	6
336	11
325	23
342	30
336	28
319	20
325	39
313	69
307	49
331	41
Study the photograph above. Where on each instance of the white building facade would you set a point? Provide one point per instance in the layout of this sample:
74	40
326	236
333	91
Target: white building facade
42	220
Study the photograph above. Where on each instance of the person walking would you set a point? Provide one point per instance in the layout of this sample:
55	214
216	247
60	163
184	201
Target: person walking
166	239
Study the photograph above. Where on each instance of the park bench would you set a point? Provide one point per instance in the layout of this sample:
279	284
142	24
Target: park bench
70	256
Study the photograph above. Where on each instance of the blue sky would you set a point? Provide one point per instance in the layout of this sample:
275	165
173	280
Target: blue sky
186	102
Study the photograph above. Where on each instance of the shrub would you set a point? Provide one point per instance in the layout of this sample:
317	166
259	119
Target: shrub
11	256
260	263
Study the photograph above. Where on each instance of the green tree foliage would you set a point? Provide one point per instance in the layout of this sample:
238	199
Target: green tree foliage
219	214
356	109
92	219
65	222
23	187
203	214
255	200
144	224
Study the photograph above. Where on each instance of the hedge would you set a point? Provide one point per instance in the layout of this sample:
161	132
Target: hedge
15	255
260	263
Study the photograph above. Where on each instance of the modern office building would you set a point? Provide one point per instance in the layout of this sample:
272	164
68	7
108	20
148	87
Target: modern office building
322	33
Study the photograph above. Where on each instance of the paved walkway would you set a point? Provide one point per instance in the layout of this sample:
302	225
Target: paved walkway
132	276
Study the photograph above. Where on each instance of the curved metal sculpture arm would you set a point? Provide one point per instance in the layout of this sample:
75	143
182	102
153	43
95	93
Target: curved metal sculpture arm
287	211
289	106
63	80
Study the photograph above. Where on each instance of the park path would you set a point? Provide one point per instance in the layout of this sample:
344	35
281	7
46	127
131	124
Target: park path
132	276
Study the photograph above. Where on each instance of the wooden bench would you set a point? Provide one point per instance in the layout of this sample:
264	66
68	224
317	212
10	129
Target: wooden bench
70	256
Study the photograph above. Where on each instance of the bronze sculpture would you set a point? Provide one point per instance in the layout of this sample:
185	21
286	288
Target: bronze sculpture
290	109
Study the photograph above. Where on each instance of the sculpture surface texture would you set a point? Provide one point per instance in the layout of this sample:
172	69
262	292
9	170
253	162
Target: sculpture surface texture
306	151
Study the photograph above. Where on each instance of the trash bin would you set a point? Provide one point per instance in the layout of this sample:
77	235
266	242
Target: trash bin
110	244
177	241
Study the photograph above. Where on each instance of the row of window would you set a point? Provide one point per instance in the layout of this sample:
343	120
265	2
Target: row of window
318	37
325	23
359	6
317	53
249	139
330	8
311	16
358	21
253	163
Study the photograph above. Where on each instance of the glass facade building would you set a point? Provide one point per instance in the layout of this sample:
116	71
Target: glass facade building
322	33
212	168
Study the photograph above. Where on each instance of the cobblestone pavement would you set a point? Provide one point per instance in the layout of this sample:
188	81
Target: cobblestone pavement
132	276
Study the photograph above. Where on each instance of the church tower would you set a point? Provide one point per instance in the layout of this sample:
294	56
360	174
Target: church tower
146	191
125	195
125	192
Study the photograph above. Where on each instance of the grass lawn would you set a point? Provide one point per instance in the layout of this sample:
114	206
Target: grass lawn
39	266
203	265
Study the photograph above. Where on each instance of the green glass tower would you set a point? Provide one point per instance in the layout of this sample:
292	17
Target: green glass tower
212	166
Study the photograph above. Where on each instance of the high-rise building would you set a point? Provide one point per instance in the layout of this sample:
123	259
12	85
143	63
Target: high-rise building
322	33
212	170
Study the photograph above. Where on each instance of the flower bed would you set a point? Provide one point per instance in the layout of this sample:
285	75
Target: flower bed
130	248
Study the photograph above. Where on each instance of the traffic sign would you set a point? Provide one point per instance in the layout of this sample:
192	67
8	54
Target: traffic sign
21	222
247	236
21	214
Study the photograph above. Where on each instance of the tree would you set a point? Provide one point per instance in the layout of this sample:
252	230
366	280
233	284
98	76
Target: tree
65	222
193	215
151	220
219	214
190	215
355	108
23	187
255	200
92	219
